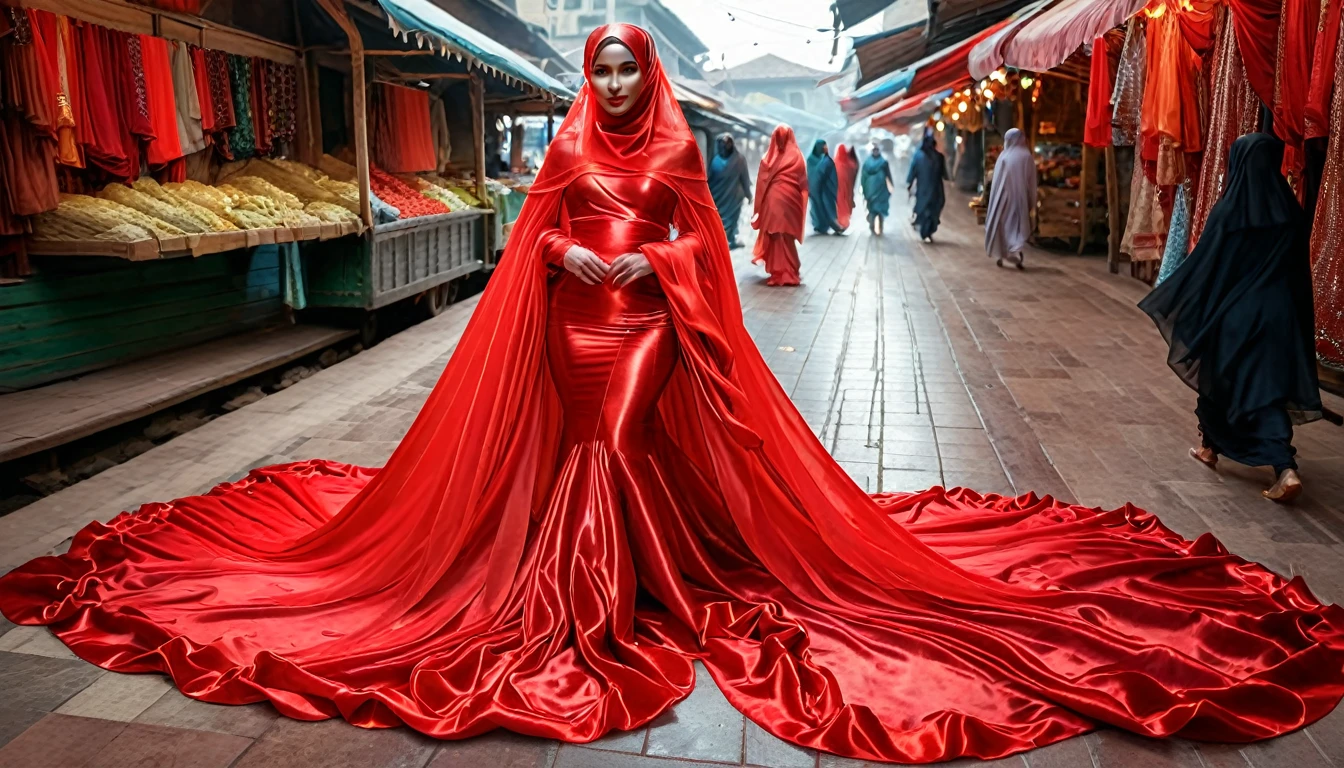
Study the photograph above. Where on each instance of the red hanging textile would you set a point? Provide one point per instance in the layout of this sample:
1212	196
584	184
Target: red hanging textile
105	144
167	145
200	70
28	183
1297	46
1234	111
1097	131
133	85
1257	27
1316	113
1170	120
403	140
52	54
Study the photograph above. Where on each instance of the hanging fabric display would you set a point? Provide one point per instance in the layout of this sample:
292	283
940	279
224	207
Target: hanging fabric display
1178	237
1316	112
190	132
283	91
1327	233
1292	78
261	107
106	145
1234	111
438	126
158	72
28	126
52	54
242	137
1097	130
1127	98
1170	120
403	142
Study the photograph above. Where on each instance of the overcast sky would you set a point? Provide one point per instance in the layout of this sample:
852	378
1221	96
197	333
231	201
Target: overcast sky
741	30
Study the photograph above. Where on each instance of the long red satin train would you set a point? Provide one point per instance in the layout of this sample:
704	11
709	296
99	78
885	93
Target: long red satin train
608	484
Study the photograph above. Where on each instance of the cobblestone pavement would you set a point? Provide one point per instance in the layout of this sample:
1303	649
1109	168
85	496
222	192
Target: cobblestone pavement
916	364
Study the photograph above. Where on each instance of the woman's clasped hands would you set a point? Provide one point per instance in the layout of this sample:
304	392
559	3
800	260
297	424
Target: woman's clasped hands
591	269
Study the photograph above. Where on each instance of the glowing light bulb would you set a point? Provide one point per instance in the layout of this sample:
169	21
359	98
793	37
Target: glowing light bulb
962	107
958	139
940	125
956	116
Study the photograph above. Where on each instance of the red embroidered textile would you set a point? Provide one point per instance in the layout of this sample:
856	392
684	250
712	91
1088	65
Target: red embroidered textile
1316	111
584	450
167	145
201	71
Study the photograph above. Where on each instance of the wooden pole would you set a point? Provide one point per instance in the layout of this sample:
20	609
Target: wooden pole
478	132
1084	183
516	145
1113	210
359	78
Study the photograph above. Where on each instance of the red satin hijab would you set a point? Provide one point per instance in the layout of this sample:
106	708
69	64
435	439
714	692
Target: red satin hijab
781	187
903	627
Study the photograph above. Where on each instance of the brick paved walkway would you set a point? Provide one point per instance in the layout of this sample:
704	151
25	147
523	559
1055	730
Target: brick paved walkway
917	364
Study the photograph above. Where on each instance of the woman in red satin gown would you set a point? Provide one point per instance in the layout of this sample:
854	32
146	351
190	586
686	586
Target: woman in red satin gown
608	483
780	209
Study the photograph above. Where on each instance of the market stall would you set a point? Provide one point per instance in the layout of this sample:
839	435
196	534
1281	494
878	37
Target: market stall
141	136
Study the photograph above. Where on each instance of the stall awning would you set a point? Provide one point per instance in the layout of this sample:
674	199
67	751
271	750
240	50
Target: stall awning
432	26
890	50
944	69
988	55
1049	38
909	110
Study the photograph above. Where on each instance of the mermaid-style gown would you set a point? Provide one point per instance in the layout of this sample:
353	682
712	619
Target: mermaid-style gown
629	563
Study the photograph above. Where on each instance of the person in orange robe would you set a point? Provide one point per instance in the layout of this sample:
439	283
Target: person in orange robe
847	171
780	210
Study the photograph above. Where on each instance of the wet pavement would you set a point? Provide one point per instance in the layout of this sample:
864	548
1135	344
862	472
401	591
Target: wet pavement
917	364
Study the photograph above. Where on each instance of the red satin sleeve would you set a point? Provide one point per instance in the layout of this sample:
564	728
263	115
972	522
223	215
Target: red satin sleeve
555	243
709	354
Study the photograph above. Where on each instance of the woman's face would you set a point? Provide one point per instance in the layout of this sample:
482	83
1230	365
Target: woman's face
616	79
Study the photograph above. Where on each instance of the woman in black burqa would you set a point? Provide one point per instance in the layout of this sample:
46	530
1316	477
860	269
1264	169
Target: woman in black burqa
1238	317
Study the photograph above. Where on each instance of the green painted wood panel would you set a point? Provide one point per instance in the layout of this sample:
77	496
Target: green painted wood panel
78	315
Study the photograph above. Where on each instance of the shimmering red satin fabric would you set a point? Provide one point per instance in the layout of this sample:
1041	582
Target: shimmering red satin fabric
607	484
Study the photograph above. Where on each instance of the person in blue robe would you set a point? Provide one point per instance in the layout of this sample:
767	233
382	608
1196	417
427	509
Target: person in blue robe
729	184
823	186
928	171
876	179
